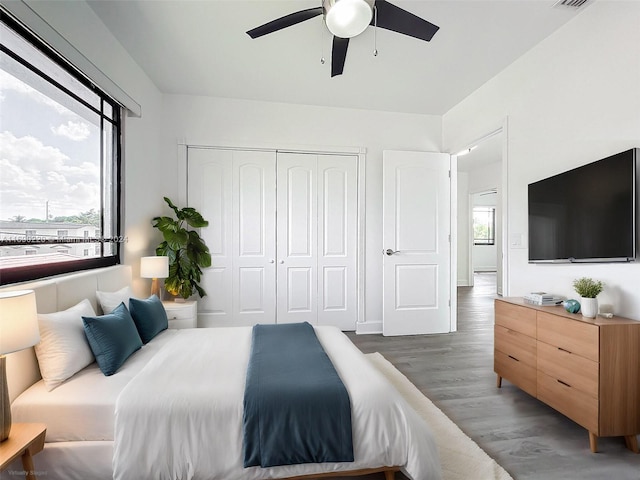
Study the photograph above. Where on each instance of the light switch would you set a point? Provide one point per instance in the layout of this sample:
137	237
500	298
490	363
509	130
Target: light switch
516	239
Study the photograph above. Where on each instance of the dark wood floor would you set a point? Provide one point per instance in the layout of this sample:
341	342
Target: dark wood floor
529	439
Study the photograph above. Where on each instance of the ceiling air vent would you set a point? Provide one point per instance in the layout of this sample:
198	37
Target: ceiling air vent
570	3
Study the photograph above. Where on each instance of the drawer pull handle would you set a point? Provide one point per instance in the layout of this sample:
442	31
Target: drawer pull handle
511	356
564	350
564	383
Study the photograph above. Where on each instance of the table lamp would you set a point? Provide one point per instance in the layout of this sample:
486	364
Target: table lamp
18	330
154	268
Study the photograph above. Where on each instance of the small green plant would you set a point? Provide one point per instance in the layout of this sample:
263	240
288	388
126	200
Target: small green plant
587	287
187	252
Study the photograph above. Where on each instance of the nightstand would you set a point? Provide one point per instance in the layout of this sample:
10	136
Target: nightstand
25	440
182	314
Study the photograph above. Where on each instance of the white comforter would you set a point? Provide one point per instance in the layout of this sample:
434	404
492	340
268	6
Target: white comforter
181	417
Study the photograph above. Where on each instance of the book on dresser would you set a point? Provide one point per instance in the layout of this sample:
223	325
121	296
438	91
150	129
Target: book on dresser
542	298
585	368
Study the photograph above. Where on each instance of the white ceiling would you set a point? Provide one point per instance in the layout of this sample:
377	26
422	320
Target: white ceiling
201	48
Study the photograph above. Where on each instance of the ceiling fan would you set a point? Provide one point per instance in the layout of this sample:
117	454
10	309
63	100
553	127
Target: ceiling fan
346	19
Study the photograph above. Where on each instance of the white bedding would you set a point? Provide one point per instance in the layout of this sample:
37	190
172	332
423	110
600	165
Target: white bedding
181	416
82	408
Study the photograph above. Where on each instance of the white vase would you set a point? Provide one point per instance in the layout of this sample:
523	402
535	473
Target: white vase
589	307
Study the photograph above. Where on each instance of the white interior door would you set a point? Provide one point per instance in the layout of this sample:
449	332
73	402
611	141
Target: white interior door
235	191
416	241
317	239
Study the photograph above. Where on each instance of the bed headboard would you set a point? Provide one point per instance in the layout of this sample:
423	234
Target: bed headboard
55	294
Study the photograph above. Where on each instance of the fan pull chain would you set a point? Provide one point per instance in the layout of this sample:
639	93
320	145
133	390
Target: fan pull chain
324	26
375	31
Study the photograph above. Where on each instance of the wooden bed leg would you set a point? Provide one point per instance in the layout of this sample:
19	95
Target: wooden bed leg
499	382
632	443
389	475
593	442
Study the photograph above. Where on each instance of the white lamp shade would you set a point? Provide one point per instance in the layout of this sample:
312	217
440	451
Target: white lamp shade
348	18
18	321
154	267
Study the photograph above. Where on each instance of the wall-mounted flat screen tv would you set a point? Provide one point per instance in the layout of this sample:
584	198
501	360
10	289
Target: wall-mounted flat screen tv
588	214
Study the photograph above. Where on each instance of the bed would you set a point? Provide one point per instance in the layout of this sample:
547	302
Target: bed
148	420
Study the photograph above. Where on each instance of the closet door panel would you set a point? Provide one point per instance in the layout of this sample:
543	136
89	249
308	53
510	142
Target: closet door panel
297	238
254	242
337	240
210	175
235	191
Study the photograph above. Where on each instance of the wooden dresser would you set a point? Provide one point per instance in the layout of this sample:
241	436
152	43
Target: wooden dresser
587	369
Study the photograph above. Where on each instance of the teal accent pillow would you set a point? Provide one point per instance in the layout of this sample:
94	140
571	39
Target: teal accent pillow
112	337
149	316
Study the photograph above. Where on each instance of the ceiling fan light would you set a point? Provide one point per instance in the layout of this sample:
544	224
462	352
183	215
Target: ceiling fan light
348	18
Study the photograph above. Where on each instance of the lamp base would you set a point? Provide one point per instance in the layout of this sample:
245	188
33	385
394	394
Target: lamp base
155	288
5	404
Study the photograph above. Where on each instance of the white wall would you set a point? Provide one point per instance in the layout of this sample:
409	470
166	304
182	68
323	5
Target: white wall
145	169
219	121
571	100
463	235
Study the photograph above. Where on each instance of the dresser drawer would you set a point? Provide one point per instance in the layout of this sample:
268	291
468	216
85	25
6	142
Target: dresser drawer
516	344
574	336
579	372
577	405
516	317
515	371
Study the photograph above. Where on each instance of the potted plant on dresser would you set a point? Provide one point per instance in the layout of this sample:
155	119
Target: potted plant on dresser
588	289
187	252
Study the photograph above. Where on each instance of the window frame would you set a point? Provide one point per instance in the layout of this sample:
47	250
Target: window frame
33	272
491	240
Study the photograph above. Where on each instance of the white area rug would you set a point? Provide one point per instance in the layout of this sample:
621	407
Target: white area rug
461	457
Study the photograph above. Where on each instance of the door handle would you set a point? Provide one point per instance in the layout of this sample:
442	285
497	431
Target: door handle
272	261
281	262
390	252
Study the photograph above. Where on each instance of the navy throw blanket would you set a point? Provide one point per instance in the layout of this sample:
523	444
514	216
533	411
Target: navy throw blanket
296	408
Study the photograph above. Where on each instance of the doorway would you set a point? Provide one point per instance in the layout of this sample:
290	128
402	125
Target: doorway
480	176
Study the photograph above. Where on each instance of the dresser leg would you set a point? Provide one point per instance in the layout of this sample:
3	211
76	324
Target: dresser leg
593	442
632	443
499	381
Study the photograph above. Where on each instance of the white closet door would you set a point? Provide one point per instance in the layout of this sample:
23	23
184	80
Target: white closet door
235	191
297	231
337	240
317	239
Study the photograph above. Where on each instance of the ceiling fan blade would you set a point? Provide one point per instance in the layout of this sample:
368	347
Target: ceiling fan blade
284	22
338	55
398	20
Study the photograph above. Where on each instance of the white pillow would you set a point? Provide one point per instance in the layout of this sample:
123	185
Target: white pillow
63	349
110	300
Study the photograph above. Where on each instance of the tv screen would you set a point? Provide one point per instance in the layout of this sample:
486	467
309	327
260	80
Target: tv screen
587	214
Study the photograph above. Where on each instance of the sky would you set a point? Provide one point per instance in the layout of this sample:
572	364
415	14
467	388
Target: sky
47	153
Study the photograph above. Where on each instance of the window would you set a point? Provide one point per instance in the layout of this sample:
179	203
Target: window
60	140
484	225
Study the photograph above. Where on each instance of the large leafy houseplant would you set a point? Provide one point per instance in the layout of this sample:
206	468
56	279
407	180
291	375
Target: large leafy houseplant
187	252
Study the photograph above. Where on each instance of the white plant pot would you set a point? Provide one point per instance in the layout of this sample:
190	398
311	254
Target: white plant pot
589	307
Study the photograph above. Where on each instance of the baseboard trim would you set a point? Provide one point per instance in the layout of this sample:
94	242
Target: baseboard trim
368	328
